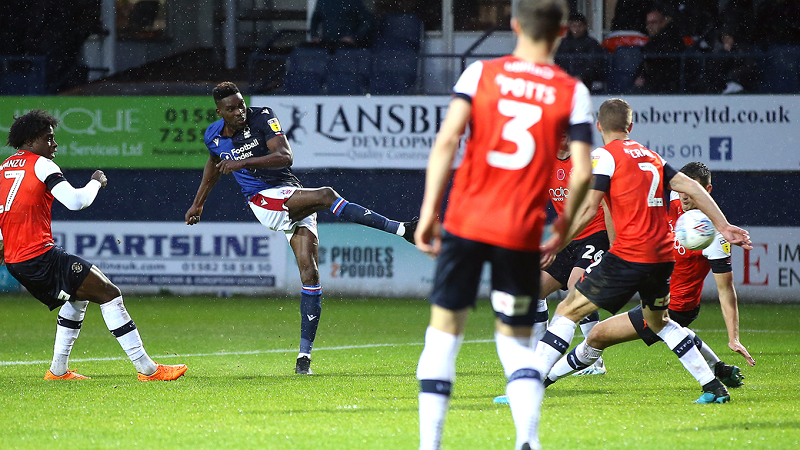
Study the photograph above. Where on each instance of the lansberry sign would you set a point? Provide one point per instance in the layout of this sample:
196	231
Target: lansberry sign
359	132
742	133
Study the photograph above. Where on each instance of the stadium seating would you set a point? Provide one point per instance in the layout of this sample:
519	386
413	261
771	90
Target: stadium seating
399	32
624	62
782	70
349	72
306	69
22	75
394	72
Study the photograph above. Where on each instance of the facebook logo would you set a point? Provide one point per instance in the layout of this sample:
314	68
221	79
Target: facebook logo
720	148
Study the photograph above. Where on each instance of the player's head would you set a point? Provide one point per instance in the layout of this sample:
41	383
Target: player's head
700	173
615	115
541	20
230	104
34	129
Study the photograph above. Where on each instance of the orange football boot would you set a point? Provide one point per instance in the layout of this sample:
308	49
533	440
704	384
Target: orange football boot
70	375
165	373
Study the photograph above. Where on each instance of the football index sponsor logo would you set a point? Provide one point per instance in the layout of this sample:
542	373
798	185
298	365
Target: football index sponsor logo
720	148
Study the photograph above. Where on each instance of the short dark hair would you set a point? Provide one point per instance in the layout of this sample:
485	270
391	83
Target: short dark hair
29	127
698	171
577	17
224	90
615	115
541	20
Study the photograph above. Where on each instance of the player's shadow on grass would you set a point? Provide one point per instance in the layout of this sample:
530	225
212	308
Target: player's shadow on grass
782	425
572	391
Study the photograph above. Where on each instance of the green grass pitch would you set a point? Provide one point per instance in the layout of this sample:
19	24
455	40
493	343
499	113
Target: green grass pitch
241	393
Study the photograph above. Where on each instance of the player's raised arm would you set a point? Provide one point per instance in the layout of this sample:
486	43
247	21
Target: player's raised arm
210	177
438	173
280	156
75	199
704	202
728	303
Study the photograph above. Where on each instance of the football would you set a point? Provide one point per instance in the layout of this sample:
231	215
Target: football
694	230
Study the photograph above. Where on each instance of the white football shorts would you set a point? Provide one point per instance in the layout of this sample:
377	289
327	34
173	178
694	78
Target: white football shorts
268	207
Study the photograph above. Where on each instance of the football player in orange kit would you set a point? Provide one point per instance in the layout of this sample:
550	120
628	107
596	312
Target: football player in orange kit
29	182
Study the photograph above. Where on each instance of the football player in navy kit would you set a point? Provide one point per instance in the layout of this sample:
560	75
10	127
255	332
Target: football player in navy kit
250	144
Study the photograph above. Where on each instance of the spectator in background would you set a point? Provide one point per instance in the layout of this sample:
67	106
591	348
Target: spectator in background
732	72
660	74
778	23
581	55
341	23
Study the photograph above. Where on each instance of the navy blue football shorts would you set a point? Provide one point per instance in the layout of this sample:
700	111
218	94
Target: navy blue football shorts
515	280
579	253
612	283
683	318
52	277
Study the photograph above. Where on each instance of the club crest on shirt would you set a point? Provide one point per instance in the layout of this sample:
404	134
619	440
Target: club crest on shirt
274	124
77	267
247	133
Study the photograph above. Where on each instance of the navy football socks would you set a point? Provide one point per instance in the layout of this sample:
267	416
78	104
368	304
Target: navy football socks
310	309
358	214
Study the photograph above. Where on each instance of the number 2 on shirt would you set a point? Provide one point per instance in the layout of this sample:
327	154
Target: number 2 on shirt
523	116
651	194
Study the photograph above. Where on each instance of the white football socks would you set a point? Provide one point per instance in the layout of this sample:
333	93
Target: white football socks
555	342
677	339
122	327
584	355
711	358
524	389
70	319
436	372
539	328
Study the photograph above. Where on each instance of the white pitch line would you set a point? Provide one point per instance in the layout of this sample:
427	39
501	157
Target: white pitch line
346	347
250	352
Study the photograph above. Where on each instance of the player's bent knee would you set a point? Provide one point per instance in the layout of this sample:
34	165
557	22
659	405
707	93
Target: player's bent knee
598	338
328	194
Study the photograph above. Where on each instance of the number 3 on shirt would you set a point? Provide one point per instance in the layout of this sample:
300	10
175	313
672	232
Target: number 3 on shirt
17	175
523	116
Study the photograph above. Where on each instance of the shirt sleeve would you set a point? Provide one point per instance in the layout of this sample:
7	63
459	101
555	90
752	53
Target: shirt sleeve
581	106
48	172
467	84
75	199
603	167
266	123
719	248
602	162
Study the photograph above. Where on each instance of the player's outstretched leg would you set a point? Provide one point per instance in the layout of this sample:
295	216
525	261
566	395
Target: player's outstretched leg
730	376
119	323
70	319
555	342
580	358
598	367
356	213
677	339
